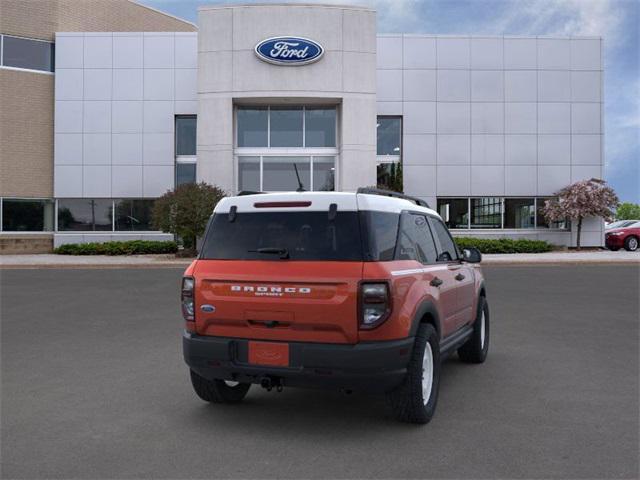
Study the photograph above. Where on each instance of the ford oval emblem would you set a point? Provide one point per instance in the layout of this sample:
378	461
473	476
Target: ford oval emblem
289	51
208	308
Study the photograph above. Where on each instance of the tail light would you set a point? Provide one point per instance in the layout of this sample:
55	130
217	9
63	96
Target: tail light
186	298
375	304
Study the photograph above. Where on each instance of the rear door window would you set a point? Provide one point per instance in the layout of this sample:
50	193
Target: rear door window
447	251
303	235
415	241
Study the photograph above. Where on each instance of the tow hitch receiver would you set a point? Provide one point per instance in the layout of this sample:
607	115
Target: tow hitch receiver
269	383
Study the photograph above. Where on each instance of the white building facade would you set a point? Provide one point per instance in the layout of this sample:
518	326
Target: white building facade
483	128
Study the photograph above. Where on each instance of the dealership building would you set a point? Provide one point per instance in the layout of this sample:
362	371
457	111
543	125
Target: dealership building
111	104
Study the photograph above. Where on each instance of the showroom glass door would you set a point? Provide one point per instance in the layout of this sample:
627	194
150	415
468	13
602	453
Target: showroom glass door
286	148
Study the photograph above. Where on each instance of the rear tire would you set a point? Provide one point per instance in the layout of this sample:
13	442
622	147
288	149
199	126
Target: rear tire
631	243
476	348
218	391
415	400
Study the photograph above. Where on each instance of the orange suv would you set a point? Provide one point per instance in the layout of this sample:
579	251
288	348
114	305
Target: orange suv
356	291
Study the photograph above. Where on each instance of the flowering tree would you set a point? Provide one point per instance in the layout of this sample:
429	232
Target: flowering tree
185	211
586	198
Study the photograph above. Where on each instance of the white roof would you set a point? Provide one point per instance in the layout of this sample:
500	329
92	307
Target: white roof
319	201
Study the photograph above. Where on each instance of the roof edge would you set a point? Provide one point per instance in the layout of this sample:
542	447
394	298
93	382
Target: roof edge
137	2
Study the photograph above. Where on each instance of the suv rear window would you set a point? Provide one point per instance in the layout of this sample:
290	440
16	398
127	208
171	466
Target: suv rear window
303	235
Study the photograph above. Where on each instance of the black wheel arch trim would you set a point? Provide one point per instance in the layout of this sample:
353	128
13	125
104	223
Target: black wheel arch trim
427	307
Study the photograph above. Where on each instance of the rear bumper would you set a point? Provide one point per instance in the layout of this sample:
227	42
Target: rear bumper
371	366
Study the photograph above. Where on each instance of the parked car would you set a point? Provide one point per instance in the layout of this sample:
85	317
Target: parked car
620	224
353	291
627	237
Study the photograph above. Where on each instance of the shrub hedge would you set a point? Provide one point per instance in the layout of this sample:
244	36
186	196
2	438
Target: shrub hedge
131	247
504	245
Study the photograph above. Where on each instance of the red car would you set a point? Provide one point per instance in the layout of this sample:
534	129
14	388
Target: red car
627	237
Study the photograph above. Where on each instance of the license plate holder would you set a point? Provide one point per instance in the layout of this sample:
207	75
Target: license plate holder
269	354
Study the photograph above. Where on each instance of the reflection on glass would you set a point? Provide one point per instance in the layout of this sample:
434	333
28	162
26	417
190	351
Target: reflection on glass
320	127
454	212
249	174
486	212
389	176
286	126
542	222
286	173
27	215
252	126
389	132
519	213
26	53
186	135
84	214
185	173
324	174
133	215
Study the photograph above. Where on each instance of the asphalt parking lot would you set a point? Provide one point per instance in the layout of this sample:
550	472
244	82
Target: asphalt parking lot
93	386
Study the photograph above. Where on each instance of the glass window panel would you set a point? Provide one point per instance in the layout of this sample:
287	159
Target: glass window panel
542	222
389	132
324	169
305	235
133	215
486	212
454	212
252	126
185	173
279	173
415	241
389	176
380	230
249	174
22	215
26	53
84	214
320	127
285	124
519	213
186	135
448	249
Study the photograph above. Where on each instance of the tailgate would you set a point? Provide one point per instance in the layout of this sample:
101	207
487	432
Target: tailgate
303	301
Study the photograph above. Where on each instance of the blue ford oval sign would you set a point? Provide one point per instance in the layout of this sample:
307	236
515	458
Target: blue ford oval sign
289	50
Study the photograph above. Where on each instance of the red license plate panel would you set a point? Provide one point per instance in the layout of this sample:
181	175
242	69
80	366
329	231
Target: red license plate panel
269	353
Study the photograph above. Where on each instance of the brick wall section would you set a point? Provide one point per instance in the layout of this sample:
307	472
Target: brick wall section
26	116
26	134
42	18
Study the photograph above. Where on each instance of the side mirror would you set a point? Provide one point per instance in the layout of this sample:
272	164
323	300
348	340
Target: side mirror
471	255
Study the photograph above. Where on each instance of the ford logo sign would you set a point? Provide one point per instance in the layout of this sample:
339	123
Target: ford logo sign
289	51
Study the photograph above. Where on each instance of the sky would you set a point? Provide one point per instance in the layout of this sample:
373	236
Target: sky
617	21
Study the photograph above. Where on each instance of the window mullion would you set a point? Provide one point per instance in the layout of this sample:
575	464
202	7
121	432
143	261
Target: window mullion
261	174
304	127
311	172
268	130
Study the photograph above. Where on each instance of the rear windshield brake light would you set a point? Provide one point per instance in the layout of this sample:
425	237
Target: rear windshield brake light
281	204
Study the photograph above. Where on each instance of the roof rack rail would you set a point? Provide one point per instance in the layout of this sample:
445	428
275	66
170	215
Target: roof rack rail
389	193
248	192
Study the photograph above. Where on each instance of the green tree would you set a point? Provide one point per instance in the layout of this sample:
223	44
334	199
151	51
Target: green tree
628	211
185	211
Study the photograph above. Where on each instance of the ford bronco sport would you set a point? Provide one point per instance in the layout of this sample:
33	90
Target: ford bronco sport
355	291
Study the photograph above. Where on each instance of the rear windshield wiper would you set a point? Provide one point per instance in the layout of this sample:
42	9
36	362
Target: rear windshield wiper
283	252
